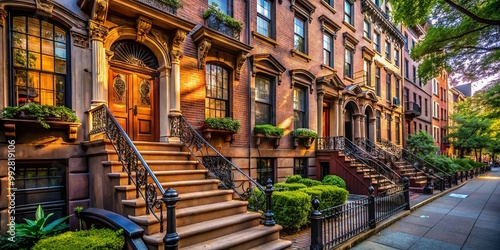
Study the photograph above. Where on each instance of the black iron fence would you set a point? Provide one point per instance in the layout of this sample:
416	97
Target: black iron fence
333	226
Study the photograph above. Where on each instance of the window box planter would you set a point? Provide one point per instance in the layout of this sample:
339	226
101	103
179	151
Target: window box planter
268	132
304	136
227	127
15	128
219	21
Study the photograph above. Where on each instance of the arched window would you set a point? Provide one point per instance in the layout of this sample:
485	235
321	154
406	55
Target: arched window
217	91
39	62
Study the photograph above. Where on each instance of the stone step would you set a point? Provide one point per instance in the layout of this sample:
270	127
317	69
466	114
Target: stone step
152	155
274	245
101	146
128	192
157	165
121	178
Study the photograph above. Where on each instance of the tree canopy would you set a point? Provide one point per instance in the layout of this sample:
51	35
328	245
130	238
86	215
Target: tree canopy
463	35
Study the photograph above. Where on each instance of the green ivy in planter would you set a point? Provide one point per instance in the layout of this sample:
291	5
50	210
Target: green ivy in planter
226	123
174	3
213	9
268	130
305	132
39	112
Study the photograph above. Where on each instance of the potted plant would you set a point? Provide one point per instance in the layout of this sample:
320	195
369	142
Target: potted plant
174	3
221	22
304	135
226	126
268	131
40	113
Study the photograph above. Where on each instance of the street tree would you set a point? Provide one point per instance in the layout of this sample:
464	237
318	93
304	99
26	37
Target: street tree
463	36
421	144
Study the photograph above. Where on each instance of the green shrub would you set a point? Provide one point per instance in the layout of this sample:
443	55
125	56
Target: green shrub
268	130
293	178
291	209
214	10
466	163
334	180
174	3
305	132
442	162
331	195
87	239
309	182
289	186
226	123
39	113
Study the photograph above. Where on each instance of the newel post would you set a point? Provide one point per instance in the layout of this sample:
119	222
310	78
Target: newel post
316	228
269	214
371	207
171	239
406	186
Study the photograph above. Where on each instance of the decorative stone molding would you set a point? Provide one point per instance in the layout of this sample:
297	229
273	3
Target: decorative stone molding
143	27
160	38
303	77
304	7
97	31
109	54
268	64
3	16
275	140
176	52
203	49
240	60
44	8
80	40
100	10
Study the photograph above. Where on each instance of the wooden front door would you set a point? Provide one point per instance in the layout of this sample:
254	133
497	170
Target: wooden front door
131	100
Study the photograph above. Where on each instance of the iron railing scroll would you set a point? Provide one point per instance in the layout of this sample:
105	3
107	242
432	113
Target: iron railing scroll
138	171
222	168
357	154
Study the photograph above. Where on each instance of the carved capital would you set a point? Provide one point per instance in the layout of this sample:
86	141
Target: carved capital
240	60
44	8
80	40
97	32
203	49
3	16
109	54
176	55
180	35
100	10
143	28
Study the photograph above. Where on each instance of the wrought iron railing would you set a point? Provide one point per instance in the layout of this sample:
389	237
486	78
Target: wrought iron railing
217	24
357	154
139	174
221	167
333	226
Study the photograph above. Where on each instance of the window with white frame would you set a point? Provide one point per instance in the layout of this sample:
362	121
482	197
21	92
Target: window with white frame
396	57
368	72
435	87
328	49
435	133
264	18
348	65
435	111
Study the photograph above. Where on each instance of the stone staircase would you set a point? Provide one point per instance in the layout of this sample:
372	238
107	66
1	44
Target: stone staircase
418	179
207	217
370	176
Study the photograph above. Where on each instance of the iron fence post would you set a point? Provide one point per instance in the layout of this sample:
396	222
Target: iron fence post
406	186
316	227
269	214
371	207
171	239
462	176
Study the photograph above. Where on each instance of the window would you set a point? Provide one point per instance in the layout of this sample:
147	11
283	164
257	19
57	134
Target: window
389	127
415	127
396	57
367	29
265	170
349	12
329	2
387	50
398	95
407	70
426	109
217	91
377	81
414	74
264	18
426	129
378	125
299	108
435	133
328	49
299	38
39	62
420	126
388	93
348	71
264	95
420	100
300	167
378	3
376	42
445	115
435	112
435	87
406	41
398	136
368	72
226	6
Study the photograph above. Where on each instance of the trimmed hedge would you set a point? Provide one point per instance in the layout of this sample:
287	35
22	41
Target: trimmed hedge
309	182
86	239
466	163
293	179
334	180
330	195
288	186
291	209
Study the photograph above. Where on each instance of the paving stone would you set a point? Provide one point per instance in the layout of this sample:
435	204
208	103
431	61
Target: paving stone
446	236
488	225
395	239
445	226
474	243
417	230
370	245
432	244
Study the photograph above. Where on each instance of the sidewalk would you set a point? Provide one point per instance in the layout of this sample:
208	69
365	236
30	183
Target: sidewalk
437	221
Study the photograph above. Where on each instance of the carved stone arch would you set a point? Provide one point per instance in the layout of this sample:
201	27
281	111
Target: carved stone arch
352	101
368	107
303	77
370	95
158	46
266	63
354	90
215	58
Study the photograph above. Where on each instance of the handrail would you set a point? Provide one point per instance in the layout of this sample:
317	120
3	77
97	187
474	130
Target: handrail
351	150
216	163
102	121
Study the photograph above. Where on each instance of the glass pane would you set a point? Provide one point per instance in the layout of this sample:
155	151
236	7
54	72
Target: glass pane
60	98
18	40
33	79
34	43
47	81
47	47
263	26
19	58
47	97
263	8
48	63
33	26
60	65
34	60
19	24
262	113
61	50
60	35
47	30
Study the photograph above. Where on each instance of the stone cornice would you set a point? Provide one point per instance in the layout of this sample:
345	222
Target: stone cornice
381	18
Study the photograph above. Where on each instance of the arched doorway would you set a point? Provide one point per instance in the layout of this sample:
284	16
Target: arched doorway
349	121
132	85
369	124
